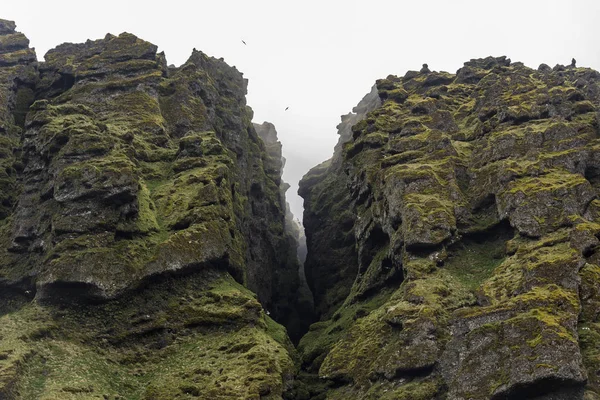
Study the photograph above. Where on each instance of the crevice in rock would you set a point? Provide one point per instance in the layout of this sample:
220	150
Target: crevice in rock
423	250
543	389
356	280
24	98
592	174
65	292
124	235
376	241
414	373
63	83
377	269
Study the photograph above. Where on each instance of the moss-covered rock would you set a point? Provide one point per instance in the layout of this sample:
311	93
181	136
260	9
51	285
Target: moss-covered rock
205	337
140	212
18	76
469	205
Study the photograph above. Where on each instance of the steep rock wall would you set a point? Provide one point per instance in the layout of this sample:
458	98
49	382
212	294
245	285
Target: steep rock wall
143	238
18	75
469	216
328	219
294	307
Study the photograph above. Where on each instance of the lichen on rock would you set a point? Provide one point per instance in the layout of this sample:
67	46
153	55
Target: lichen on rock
470	201
146	245
142	237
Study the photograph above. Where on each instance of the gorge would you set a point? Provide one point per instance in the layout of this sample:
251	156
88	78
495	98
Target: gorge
147	251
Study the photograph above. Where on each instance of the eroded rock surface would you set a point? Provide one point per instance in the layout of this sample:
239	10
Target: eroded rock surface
18	75
142	229
462	226
452	239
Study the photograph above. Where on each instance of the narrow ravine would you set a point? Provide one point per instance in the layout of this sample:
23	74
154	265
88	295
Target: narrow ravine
147	251
452	239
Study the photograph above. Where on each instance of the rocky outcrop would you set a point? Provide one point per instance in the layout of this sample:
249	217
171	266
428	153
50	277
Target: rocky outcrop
463	232
18	75
142	230
331	263
453	239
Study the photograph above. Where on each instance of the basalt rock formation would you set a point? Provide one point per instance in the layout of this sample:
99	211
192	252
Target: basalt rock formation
331	263
453	244
146	248
142	229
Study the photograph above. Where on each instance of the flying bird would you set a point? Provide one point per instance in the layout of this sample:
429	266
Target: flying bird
244	43
286	108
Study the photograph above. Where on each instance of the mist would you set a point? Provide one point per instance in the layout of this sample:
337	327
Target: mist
319	58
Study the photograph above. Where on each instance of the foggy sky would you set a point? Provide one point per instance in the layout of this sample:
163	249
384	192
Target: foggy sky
320	57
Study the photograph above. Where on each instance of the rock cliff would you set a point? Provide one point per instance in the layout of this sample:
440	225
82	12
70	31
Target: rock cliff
453	239
146	248
142	229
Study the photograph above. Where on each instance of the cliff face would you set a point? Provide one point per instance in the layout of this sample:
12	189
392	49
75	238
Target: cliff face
18	75
461	221
331	262
452	239
140	211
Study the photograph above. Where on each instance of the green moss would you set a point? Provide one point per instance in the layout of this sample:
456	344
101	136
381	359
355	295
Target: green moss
352	357
66	370
13	41
529	265
520	340
472	261
589	340
21	56
122	259
177	103
436	294
441	183
582	107
429	218
145	221
434	172
382	342
398	95
124	348
552	181
136	109
124	83
549	321
132	66
419	389
16	330
96	172
242	364
417	267
194	196
322	336
276	331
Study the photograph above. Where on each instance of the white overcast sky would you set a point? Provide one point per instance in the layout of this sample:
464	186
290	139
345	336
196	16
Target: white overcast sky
319	57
